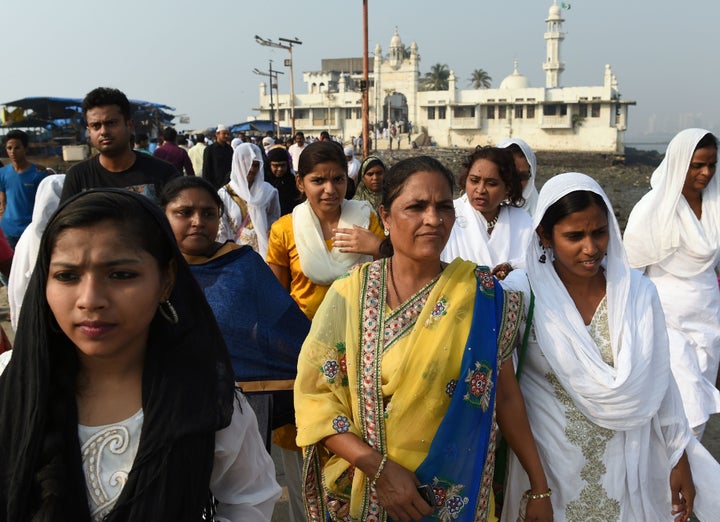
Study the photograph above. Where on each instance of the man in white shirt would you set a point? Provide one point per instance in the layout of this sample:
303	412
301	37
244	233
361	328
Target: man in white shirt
296	149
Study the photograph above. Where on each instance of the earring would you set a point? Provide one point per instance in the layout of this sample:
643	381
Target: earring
386	232
167	310
543	256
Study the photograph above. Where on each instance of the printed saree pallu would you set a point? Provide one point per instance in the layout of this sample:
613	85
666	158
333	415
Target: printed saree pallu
416	383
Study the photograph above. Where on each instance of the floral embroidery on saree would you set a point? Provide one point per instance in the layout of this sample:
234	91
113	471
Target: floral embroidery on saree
335	366
593	502
439	310
479	382
449	500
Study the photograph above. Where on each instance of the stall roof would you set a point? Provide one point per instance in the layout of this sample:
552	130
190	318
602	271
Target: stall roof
259	126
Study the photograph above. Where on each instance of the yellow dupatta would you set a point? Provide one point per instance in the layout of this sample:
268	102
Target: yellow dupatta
423	346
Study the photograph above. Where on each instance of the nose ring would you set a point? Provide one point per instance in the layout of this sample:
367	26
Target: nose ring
441	220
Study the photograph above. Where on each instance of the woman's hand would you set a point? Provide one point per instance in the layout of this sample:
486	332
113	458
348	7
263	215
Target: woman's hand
682	490
397	491
502	270
539	510
357	240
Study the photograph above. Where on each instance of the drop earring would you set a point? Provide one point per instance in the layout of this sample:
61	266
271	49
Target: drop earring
543	256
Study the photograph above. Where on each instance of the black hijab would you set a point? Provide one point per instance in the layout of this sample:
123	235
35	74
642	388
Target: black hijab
187	390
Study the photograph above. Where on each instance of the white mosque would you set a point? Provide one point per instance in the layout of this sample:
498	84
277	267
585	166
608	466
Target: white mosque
552	117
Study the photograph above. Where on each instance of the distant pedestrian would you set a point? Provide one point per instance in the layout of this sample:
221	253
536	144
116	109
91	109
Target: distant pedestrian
281	177
196	153
142	143
18	184
218	158
173	153
353	164
296	149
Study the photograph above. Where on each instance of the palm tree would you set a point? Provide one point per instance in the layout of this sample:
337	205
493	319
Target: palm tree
480	79
436	79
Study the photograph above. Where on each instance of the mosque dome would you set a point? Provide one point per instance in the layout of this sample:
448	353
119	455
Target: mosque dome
554	11
515	80
395	41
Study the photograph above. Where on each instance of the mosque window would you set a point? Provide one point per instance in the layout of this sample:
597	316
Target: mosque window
442	113
502	112
555	109
301	114
518	111
530	112
431	113
583	112
348	114
595	110
491	112
463	112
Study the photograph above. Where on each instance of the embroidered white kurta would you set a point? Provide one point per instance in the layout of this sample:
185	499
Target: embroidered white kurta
594	471
602	403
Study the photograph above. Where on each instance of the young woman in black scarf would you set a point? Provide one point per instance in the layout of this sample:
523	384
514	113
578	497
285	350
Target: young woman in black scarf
118	403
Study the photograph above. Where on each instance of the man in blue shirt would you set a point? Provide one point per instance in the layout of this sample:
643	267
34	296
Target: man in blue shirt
18	184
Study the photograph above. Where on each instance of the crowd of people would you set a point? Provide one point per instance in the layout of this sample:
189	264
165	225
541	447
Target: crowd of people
504	355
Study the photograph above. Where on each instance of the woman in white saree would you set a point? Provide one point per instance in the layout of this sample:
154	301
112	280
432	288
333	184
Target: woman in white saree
601	400
673	234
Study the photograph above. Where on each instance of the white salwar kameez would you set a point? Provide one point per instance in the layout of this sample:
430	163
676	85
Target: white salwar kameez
679	254
470	240
603	406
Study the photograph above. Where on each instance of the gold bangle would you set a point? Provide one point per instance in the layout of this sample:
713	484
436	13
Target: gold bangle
537	496
381	467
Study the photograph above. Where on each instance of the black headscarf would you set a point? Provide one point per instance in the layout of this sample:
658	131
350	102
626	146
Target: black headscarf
187	395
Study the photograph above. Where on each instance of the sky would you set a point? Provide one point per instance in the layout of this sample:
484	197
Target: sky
198	57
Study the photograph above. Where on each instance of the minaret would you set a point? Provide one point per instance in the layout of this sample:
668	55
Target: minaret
553	36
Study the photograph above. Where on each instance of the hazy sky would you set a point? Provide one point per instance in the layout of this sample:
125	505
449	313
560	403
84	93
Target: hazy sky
198	56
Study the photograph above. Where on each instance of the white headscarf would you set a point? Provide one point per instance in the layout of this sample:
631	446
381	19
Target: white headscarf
258	196
662	227
318	264
530	193
47	200
629	394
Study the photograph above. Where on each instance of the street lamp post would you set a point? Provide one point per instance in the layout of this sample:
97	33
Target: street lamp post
365	84
273	78
288	46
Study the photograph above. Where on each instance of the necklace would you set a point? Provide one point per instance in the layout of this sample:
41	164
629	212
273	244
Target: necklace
392	280
491	224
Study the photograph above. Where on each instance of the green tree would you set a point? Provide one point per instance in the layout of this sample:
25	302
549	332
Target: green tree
480	79
436	79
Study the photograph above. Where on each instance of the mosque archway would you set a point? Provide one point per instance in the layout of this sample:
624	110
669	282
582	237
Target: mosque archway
395	111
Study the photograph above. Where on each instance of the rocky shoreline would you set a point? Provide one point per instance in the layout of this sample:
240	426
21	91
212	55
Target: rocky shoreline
624	179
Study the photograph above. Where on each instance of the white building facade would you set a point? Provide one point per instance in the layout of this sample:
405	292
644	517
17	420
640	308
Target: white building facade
553	117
